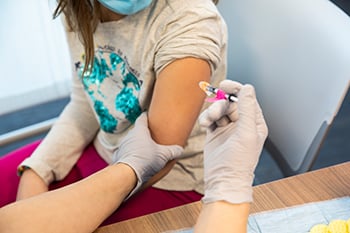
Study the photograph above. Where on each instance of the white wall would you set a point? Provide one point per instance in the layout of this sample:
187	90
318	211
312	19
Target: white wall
34	60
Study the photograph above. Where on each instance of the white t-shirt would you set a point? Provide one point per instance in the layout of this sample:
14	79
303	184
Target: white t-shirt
129	55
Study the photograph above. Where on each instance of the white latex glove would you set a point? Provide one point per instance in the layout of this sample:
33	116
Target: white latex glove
142	154
232	151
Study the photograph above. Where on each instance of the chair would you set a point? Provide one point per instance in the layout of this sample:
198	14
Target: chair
297	55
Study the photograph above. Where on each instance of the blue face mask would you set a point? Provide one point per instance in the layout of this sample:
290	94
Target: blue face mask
126	7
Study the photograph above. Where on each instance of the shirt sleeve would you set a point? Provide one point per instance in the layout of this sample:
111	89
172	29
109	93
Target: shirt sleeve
192	31
72	132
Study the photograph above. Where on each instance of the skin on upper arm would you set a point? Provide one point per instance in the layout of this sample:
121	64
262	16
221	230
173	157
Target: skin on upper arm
176	104
177	100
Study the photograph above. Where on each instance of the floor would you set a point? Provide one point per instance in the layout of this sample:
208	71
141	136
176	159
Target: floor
335	149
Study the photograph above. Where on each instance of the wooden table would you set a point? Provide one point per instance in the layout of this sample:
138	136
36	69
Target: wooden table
319	185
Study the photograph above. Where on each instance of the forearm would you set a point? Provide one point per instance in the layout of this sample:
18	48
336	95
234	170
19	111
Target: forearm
231	154
30	185
221	216
79	207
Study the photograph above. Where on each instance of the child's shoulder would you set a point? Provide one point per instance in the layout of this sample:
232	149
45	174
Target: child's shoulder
193	4
186	8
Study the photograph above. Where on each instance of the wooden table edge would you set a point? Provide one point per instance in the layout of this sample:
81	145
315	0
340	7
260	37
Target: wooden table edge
335	182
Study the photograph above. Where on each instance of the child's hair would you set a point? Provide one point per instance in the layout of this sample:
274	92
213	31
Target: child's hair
82	16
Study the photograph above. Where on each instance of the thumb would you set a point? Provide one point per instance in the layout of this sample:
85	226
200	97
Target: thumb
171	151
174	151
230	86
247	105
142	120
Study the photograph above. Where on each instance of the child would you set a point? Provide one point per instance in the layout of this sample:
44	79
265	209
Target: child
129	57
236	133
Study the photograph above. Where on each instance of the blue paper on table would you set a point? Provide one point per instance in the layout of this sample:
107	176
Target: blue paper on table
296	219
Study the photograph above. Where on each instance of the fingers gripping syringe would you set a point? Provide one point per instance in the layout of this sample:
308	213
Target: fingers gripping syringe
219	94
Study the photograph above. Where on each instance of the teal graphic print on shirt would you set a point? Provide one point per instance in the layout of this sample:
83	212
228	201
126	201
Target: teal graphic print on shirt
112	88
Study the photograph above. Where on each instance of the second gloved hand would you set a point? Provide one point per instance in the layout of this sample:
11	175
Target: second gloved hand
143	154
232	150
221	112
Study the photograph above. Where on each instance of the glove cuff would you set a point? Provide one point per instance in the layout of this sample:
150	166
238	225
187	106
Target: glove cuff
141	179
136	188
146	169
229	189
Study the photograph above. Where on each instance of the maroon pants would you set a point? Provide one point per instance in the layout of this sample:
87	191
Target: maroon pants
149	201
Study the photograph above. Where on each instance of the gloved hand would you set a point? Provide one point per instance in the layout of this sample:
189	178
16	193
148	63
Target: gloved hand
142	154
221	112
233	145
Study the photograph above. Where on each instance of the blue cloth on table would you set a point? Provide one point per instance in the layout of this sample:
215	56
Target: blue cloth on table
296	219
